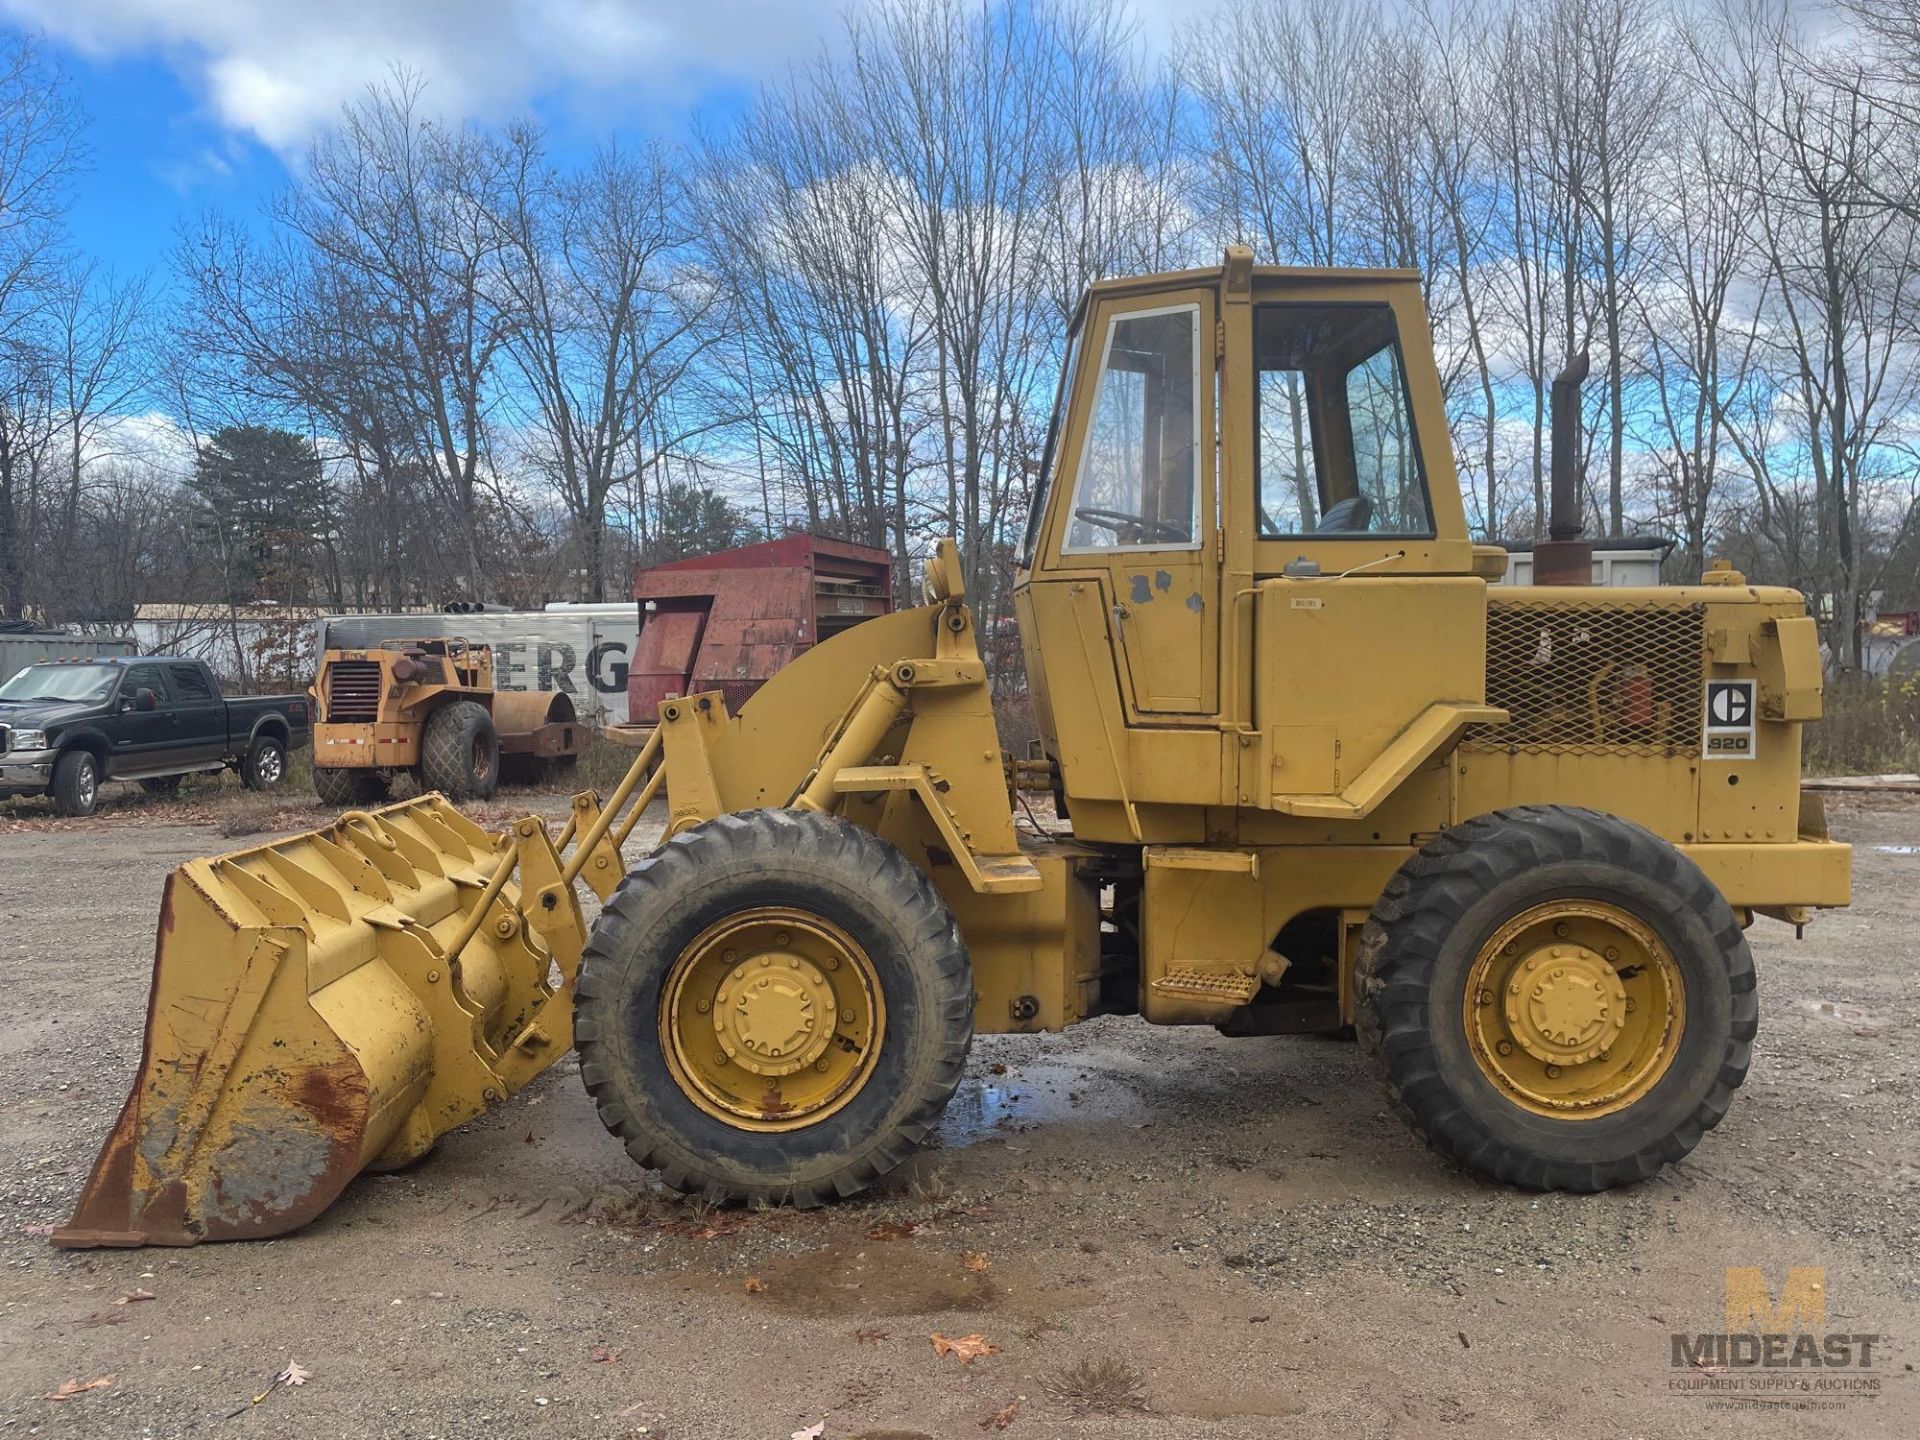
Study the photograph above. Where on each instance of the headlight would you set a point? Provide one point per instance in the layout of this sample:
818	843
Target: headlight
29	740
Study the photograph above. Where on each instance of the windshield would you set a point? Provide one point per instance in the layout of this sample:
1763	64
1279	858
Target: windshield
1061	399
61	682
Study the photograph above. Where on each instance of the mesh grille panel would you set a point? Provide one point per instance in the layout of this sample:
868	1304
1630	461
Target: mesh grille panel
353	692
1595	678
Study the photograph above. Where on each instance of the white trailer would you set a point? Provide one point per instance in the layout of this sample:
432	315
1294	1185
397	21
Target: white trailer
580	649
1634	560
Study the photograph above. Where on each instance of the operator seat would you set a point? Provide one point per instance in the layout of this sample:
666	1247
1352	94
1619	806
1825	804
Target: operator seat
1350	516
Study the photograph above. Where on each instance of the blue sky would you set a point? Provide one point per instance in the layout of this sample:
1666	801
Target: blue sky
199	103
205	103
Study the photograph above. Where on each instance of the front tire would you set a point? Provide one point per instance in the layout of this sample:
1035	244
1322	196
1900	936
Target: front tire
701	977
76	784
338	786
1556	998
460	752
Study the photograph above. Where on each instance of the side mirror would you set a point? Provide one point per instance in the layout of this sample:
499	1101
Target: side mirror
145	700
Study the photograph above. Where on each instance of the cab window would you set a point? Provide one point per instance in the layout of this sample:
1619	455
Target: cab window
1138	486
1334	433
143	677
189	683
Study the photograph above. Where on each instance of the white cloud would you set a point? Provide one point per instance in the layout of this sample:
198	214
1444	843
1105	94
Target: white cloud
280	69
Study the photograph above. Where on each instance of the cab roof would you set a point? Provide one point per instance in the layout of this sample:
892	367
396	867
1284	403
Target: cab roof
1263	276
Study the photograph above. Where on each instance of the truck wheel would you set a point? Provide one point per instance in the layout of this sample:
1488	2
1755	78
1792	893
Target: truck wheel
265	767
460	752
350	787
76	783
1556	998
776	1006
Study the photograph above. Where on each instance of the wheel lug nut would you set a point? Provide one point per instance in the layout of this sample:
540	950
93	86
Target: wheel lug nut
781	938
1630	1005
1485	997
1562	929
703	1007
846	1017
1613	952
1505	1047
821	1064
1553	1072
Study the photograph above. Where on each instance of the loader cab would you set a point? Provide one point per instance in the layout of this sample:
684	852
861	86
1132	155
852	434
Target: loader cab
1230	450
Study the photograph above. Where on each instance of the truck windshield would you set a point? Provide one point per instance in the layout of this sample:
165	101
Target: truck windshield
61	682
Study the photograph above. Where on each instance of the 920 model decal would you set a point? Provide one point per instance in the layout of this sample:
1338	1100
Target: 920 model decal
1730	720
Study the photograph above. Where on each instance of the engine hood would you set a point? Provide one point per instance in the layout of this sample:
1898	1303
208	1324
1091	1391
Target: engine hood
43	714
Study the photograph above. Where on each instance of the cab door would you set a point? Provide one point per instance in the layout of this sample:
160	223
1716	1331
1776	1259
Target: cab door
142	739
200	716
1143	505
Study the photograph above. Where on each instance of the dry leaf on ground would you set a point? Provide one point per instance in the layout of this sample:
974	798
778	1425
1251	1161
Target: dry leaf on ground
812	1432
70	1388
1003	1417
967	1348
294	1374
754	1285
974	1263
132	1296
603	1356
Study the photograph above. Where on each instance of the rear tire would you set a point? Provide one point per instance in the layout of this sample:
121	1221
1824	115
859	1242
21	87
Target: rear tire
460	752
350	787
265	767
1460	950
76	783
640	976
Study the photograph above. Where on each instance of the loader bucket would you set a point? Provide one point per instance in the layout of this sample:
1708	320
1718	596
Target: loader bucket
327	1004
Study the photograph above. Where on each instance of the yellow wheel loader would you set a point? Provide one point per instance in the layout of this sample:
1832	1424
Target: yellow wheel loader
429	708
1307	769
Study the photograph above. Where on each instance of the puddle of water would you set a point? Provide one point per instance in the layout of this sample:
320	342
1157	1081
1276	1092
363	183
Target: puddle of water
996	1107
879	1278
919	1275
1259	1404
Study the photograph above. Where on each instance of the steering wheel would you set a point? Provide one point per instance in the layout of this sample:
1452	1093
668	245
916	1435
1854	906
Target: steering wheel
1121	522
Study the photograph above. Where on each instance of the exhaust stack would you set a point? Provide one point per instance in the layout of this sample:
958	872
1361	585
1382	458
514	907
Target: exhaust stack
1564	558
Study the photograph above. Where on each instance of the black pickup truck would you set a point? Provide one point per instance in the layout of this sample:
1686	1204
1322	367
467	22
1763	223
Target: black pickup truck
67	726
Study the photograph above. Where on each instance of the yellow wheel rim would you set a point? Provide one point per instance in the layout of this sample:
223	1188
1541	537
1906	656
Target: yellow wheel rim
1574	1009
772	1019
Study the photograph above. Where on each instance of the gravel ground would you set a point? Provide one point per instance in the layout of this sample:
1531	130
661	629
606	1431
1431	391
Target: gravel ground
1160	1232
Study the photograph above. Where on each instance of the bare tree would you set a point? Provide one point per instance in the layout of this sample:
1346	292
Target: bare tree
40	149
600	324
